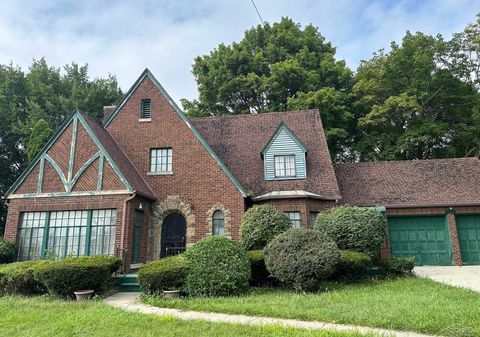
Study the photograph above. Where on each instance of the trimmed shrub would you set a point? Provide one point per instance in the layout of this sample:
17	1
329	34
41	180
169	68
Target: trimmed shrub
63	277
113	263
165	274
302	257
352	265
354	228
8	251
19	278
260	225
217	266
260	274
397	266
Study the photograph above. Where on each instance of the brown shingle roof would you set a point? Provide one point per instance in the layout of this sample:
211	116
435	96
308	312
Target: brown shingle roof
239	140
414	183
124	164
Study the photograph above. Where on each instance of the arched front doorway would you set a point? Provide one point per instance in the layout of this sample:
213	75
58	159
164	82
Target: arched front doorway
173	238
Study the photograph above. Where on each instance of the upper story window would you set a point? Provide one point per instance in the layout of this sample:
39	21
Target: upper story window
284	156
294	218
285	166
146	109
218	223
161	160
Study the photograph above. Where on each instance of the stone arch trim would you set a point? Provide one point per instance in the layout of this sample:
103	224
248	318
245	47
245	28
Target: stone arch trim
172	204
227	219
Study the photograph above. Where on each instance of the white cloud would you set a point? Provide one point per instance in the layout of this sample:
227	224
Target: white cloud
124	37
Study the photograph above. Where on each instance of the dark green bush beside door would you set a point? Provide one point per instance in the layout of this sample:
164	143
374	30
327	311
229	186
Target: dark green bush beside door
426	238
468	228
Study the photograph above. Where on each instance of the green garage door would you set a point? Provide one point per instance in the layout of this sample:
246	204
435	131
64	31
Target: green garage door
424	237
468	228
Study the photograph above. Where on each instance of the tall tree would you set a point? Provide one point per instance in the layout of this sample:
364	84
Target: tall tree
409	105
276	67
34	104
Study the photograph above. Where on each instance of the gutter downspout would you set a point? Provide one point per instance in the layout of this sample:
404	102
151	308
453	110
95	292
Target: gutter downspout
122	235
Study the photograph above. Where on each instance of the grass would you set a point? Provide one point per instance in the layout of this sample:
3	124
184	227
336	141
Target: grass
43	316
404	304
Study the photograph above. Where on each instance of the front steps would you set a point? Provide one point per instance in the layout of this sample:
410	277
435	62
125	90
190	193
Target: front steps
128	283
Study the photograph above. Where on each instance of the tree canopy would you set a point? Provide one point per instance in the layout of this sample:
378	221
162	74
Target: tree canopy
34	103
418	100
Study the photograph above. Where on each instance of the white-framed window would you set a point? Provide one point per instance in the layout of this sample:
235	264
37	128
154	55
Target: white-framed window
285	166
161	160
294	218
218	223
313	218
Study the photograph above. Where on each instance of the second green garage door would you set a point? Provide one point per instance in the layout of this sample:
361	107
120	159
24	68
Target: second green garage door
468	228
424	237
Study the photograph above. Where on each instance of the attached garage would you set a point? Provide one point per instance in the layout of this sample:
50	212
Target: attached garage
426	238
468	229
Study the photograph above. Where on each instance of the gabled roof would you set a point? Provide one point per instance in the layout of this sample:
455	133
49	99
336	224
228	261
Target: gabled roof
239	140
108	147
147	73
284	127
410	183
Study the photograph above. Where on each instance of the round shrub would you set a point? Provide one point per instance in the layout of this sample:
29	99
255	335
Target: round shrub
354	228
8	251
302	257
260	274
397	266
217	266
19	278
165	274
64	277
352	265
260	225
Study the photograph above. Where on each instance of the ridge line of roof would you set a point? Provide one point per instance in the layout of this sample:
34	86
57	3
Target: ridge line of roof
399	161
251	115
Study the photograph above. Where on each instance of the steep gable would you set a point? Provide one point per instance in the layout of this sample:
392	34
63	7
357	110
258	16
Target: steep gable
126	120
75	162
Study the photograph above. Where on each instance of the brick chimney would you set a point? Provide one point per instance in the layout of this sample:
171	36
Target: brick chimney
107	110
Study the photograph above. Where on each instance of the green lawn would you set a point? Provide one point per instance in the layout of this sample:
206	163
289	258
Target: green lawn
42	316
406	304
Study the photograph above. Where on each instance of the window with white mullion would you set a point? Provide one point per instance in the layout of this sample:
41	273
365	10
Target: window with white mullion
294	218
285	166
161	160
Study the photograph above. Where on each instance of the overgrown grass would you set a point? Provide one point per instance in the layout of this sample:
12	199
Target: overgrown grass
405	304
43	316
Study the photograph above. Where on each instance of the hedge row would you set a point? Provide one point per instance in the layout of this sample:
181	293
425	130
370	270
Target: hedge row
60	278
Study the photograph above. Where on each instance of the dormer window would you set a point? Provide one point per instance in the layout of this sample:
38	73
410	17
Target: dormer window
285	166
284	156
146	109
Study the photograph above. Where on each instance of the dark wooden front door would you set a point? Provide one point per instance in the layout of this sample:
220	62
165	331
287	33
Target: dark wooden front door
173	240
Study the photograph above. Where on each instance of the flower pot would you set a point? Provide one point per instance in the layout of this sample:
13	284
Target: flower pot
82	295
171	293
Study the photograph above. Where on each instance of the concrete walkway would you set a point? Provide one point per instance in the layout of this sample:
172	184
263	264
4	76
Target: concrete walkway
130	302
464	277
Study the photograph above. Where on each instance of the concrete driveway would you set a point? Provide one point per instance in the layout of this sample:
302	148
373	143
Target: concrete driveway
465	277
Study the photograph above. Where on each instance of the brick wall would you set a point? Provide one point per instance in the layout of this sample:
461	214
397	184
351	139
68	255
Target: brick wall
304	206
197	178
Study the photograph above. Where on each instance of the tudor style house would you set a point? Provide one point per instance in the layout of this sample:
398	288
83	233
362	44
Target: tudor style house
149	181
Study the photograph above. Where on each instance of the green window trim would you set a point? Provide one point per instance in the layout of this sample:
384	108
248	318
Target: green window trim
65	231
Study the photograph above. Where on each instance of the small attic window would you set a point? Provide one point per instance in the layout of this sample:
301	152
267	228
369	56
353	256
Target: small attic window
146	111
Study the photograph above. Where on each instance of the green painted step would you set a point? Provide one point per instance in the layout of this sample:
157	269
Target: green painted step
128	283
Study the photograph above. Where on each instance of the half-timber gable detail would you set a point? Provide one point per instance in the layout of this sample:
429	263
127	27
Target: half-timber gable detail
67	159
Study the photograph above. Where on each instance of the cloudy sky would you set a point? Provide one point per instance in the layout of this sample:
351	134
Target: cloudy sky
124	37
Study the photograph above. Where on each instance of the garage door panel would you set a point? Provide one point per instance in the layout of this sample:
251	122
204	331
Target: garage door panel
424	237
468	229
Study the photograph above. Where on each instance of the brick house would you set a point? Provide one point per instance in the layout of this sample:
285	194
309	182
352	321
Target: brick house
149	182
